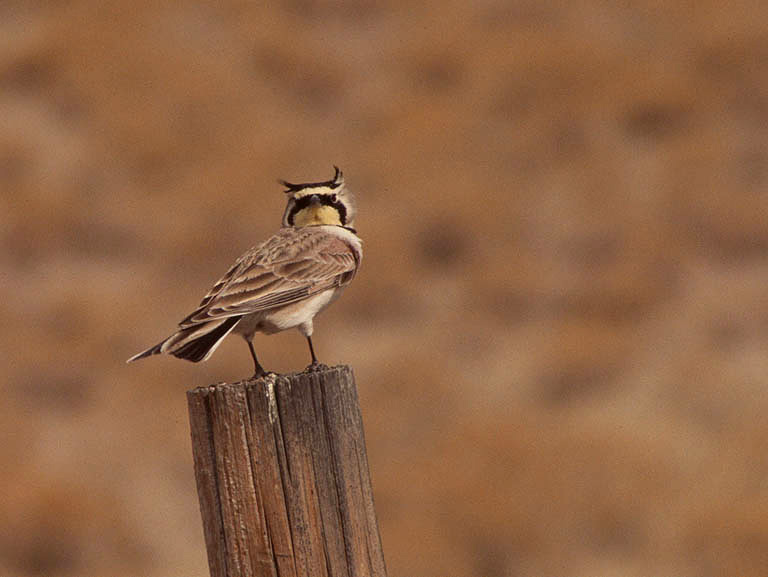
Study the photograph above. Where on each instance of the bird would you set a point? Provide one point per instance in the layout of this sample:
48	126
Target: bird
281	283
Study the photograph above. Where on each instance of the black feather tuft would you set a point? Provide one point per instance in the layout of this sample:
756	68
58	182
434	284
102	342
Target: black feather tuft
335	182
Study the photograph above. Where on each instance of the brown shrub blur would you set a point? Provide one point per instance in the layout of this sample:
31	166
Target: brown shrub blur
560	328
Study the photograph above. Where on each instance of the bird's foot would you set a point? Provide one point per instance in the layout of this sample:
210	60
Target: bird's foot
262	373
315	367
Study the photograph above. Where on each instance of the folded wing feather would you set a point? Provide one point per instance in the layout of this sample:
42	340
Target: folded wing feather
279	272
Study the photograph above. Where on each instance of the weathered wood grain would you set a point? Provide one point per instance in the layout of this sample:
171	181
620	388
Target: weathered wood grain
282	476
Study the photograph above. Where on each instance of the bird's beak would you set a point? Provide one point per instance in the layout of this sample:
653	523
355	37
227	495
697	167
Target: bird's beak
314	200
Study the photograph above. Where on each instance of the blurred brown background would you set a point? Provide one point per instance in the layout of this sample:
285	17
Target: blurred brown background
560	331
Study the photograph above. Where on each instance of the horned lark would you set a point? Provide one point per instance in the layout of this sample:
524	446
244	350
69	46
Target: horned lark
281	283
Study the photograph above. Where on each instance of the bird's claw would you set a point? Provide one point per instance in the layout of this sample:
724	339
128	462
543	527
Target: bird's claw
316	367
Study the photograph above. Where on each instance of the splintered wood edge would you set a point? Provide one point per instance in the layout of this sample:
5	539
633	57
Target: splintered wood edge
270	380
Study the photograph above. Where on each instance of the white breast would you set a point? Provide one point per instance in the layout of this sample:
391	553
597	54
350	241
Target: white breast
299	314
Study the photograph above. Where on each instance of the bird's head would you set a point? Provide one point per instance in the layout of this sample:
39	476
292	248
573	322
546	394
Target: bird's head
316	203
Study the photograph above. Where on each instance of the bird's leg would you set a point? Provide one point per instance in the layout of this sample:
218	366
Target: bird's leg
315	365
259	370
312	351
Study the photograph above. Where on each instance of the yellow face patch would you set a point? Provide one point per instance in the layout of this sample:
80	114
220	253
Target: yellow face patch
314	215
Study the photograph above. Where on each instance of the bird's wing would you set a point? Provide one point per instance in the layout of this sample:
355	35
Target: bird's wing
291	266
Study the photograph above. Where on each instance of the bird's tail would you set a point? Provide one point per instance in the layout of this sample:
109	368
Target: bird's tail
194	343
156	350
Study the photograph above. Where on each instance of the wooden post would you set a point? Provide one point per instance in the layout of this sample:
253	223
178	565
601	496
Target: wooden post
282	476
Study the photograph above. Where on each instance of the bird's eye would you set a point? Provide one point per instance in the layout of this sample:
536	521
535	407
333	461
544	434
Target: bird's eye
333	198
